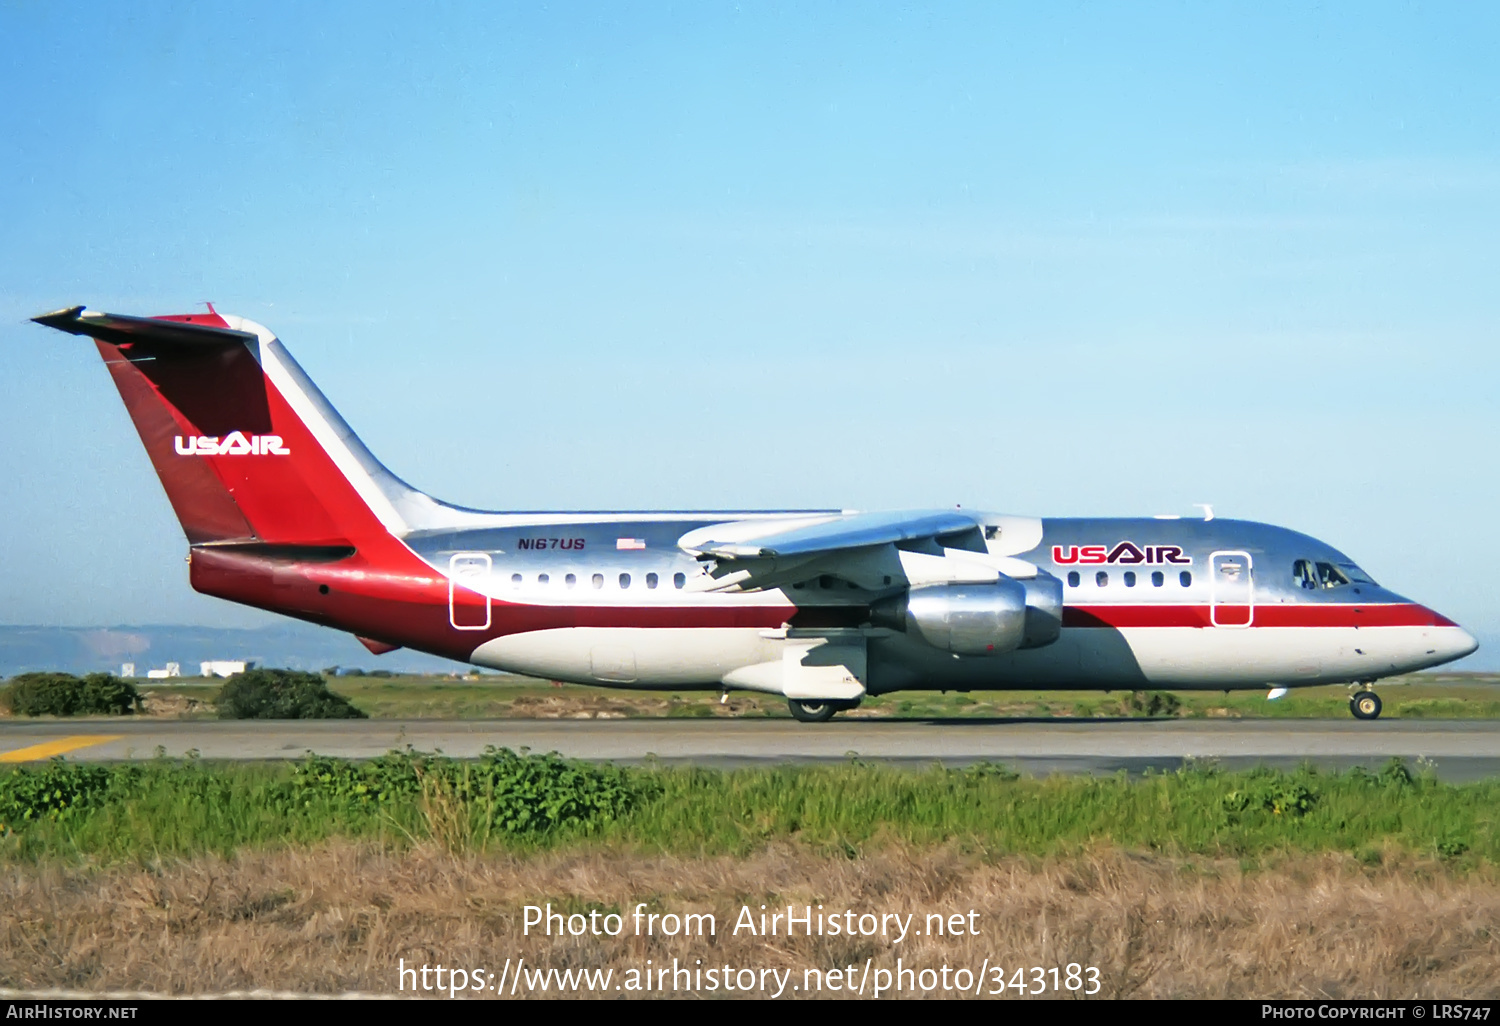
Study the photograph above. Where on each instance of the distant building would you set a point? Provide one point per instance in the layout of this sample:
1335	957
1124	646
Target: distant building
223	667
127	669
172	670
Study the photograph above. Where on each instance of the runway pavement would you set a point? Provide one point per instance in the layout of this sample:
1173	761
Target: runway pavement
1460	749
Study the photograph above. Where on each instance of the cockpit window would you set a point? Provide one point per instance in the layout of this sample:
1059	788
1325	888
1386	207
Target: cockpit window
1314	576
1330	576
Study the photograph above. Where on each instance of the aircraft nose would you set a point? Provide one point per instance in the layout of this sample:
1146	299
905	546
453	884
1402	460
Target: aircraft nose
1463	643
1450	642
1441	640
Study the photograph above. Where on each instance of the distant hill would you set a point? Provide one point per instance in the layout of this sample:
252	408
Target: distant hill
295	645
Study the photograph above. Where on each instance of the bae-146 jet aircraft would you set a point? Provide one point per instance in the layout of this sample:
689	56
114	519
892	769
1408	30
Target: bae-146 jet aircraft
284	509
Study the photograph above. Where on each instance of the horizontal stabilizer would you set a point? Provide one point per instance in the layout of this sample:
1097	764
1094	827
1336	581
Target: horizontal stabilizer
119	329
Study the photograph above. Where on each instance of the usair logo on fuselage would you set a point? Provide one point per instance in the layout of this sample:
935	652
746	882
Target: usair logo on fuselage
1125	552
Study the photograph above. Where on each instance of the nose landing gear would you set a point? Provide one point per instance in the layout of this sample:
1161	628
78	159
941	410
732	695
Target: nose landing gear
1365	705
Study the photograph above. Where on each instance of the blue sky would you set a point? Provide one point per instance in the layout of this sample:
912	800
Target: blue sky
1052	259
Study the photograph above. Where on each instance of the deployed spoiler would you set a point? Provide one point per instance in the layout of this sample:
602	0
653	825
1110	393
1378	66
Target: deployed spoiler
118	329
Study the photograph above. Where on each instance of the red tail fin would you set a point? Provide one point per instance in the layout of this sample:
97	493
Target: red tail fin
246	447
284	507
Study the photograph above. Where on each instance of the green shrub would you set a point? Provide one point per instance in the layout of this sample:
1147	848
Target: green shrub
976	772
282	695
1452	847
515	794
57	791
62	694
523	793
1279	794
106	693
368	785
1152	703
1395	773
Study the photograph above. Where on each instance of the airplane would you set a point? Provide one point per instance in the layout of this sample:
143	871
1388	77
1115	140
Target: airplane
285	509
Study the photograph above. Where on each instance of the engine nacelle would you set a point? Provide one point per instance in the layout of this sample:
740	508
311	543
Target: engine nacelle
1044	610
967	619
978	619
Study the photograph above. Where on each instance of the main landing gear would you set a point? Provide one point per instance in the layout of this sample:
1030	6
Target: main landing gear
816	710
1365	705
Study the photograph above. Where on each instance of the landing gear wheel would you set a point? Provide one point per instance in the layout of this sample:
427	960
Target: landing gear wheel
1365	705
809	710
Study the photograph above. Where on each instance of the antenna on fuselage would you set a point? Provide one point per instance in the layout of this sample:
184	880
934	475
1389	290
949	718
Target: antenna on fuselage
1208	510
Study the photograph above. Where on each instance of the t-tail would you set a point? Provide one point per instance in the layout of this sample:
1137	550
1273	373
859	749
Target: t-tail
283	507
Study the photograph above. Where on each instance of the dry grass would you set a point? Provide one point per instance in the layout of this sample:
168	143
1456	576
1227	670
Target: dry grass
167	705
338	917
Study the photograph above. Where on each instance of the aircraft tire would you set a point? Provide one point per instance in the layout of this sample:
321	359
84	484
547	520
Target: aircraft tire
1365	705
808	710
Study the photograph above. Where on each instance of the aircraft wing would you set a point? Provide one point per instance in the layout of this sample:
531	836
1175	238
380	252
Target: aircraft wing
848	531
874	551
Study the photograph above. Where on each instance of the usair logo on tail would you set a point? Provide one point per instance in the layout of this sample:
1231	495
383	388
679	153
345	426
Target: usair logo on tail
1124	552
233	444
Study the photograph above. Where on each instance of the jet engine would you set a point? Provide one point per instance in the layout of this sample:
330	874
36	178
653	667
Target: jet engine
977	619
1044	610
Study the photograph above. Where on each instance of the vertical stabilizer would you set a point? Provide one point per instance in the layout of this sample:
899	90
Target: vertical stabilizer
246	446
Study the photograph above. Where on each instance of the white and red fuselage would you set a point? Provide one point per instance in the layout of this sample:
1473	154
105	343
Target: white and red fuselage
284	509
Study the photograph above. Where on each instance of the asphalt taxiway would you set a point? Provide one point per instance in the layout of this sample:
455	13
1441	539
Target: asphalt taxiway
1459	749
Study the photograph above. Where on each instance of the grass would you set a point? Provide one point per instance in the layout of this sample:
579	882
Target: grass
341	917
534	804
490	696
185	877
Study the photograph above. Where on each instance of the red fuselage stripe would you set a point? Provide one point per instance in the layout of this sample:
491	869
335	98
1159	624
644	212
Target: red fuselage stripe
508	618
1291	614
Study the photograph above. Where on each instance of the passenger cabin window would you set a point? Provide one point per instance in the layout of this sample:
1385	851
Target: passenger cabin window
542	578
570	580
515	579
624	580
678	580
1158	579
1185	579
1073	579
598	580
651	580
1130	578
1101	579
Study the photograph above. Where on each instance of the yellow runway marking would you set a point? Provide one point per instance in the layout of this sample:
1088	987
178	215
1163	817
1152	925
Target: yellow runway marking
48	749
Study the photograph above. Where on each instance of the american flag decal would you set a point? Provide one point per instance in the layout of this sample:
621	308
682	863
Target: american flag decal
630	543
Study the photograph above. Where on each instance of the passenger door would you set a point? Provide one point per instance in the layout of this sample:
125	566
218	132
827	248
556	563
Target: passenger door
1231	589
468	605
